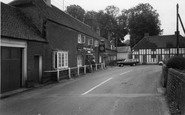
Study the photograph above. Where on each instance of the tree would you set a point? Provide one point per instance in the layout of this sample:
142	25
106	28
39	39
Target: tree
112	25
142	19
76	11
127	42
112	10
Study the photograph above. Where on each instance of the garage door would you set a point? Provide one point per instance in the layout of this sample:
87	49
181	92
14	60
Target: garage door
10	69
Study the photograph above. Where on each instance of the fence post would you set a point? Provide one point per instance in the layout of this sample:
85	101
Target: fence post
96	67
69	72
78	71
84	69
91	68
58	75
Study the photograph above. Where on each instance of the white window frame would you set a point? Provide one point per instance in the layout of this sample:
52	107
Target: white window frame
90	42
79	60
62	59
96	43
83	39
79	38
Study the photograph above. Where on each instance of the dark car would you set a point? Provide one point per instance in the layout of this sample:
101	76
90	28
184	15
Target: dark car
131	62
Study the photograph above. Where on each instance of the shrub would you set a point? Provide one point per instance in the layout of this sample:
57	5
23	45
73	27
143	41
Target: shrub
176	62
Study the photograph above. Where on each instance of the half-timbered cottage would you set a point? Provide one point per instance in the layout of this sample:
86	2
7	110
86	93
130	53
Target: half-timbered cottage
152	49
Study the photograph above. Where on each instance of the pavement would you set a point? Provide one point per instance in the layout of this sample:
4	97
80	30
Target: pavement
113	91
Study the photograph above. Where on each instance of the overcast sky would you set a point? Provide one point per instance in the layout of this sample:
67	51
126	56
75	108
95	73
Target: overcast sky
165	8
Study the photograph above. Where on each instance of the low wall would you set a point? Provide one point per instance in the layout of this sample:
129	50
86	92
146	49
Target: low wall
175	90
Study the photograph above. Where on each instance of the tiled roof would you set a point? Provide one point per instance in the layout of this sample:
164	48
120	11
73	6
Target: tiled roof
14	24
56	15
166	41
125	49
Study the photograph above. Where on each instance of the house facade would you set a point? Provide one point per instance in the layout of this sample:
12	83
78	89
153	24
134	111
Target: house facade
108	55
152	49
123	52
45	38
19	61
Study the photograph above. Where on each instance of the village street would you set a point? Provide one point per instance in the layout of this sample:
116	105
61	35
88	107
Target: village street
113	91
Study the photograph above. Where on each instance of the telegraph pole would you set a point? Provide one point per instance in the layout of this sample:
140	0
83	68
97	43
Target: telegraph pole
177	32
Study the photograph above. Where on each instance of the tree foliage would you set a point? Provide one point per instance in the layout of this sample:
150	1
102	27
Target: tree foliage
136	21
112	10
142	19
76	11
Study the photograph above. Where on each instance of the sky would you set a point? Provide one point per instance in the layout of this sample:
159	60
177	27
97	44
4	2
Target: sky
165	8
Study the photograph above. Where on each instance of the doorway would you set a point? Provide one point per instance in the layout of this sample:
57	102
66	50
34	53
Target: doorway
11	69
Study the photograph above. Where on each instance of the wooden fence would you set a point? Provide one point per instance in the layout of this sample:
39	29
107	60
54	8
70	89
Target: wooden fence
75	71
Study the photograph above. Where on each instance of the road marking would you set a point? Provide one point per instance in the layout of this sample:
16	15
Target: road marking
96	86
125	72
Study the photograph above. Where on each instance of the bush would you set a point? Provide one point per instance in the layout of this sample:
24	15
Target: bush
176	63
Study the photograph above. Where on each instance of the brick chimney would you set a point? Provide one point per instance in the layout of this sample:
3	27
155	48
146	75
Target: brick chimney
48	2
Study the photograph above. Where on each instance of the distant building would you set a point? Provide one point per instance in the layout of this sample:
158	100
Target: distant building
152	49
123	52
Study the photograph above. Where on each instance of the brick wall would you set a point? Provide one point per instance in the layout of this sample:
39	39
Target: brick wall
38	49
176	91
63	38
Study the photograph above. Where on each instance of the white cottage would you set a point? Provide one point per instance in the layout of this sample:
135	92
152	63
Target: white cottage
123	52
152	49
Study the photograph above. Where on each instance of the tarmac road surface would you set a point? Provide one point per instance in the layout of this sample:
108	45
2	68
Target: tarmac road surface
113	91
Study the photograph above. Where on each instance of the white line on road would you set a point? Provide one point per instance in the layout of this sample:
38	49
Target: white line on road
125	72
96	86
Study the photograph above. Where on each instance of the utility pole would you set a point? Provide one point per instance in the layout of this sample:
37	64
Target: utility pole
116	47
181	24
177	32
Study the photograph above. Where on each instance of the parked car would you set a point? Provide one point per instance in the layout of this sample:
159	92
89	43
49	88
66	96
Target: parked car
131	62
161	62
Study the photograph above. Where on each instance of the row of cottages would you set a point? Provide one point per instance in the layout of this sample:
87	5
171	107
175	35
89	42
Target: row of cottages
36	37
152	49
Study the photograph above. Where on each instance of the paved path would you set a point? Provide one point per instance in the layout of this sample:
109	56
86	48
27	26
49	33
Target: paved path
114	91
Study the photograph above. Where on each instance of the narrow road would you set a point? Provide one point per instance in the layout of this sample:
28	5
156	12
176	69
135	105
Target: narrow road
114	91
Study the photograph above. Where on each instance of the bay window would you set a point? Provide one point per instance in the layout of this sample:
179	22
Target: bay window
60	59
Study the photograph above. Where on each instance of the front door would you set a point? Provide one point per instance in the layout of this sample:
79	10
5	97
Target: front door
144	59
11	69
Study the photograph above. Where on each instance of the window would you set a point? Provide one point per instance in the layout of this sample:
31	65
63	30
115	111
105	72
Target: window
60	59
90	42
79	60
79	38
136	56
96	43
153	56
83	39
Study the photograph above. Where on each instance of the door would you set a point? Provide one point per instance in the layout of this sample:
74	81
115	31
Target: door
36	69
11	69
144	59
